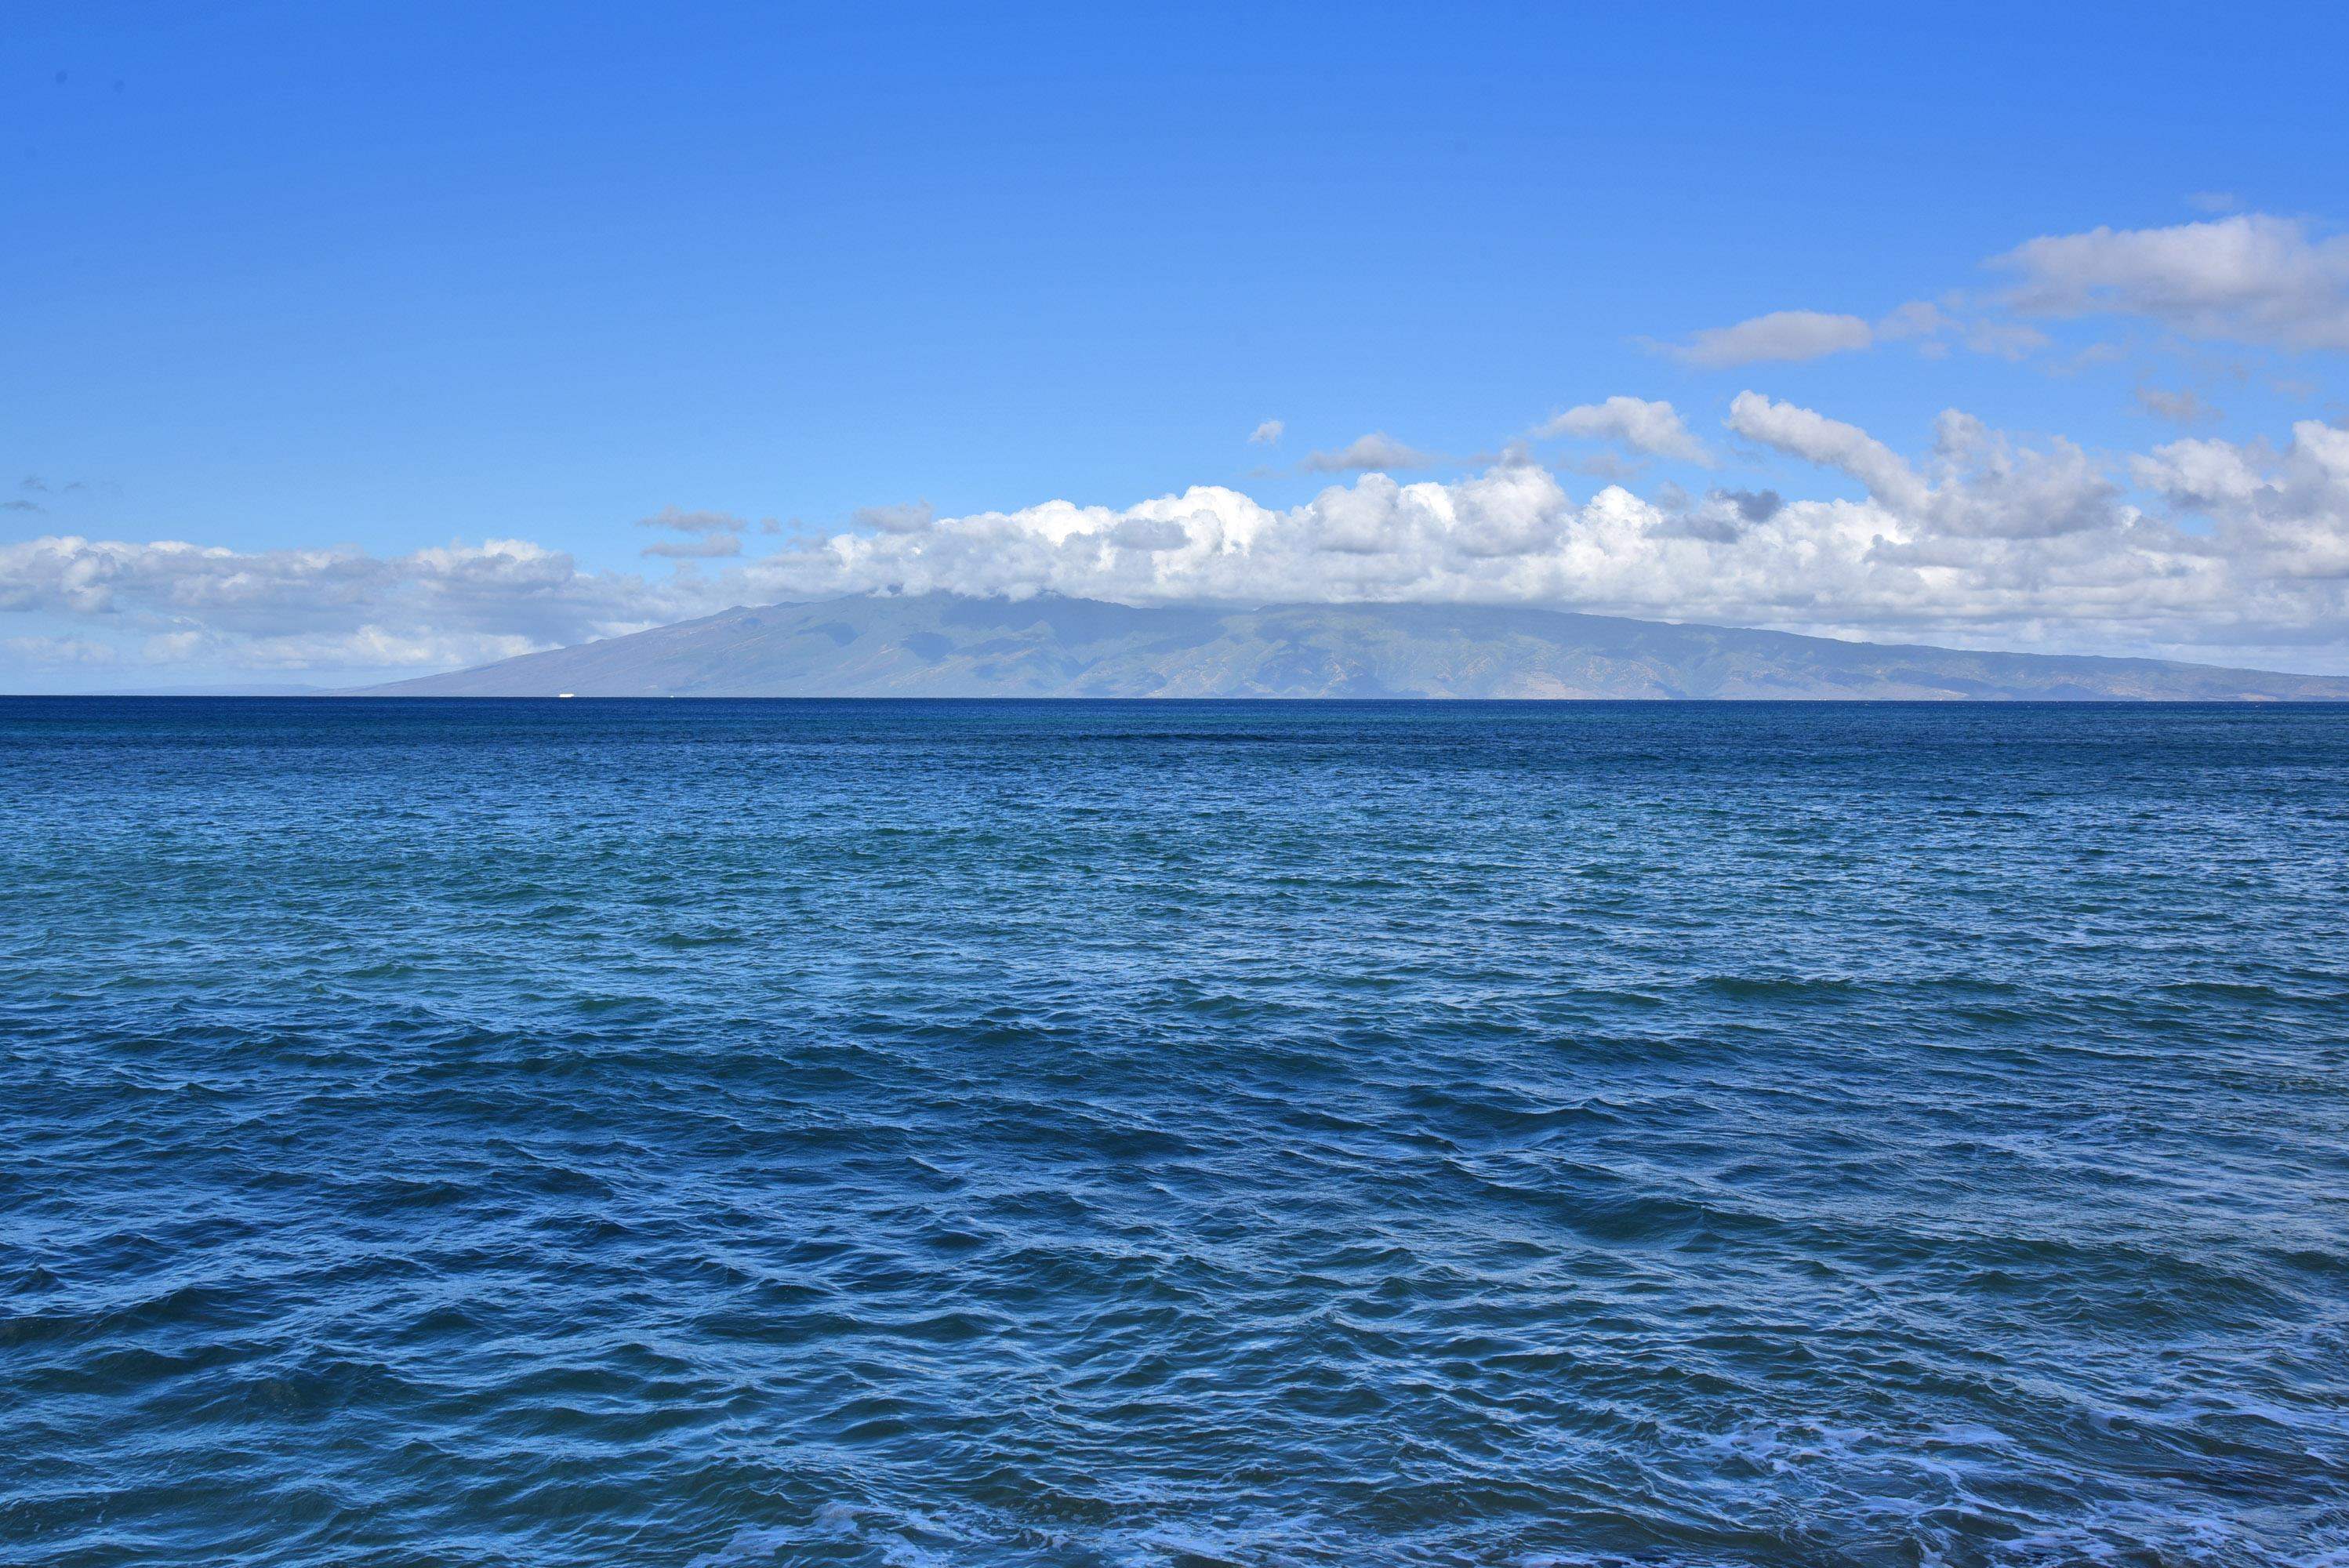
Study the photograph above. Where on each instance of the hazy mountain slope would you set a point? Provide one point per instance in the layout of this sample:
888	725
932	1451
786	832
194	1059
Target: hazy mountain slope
945	647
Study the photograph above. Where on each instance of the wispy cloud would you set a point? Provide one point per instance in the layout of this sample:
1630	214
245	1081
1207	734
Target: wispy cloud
678	522
709	547
1789	335
1782	335
715	535
2181	406
905	517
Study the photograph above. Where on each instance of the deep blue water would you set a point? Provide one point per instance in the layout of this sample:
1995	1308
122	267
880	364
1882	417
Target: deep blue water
700	1133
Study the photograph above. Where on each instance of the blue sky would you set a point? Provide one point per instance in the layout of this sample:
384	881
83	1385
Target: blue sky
372	280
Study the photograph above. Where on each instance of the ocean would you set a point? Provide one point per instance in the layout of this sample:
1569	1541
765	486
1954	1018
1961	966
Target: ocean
698	1133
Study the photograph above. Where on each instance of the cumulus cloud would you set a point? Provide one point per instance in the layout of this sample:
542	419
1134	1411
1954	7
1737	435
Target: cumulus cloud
1719	518
2211	475
1982	539
1982	484
1268	433
2250	278
2287	510
1377	450
1753	506
1654	427
1782	334
1976	536
1149	534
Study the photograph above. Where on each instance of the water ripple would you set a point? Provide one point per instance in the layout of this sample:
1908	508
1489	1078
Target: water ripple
1570	1135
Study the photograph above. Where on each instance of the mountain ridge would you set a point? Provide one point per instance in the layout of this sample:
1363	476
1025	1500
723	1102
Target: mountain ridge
1049	645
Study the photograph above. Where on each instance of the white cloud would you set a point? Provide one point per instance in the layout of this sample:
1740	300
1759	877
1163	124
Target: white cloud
1795	334
2250	278
1979	538
2246	277
1816	438
1266	434
1782	334
2286	512
1643	427
1982	540
1982	485
2309	478
1376	450
328	608
1988	485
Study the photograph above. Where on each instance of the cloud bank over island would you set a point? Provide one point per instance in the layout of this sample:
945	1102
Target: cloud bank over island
2234	550
1962	535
